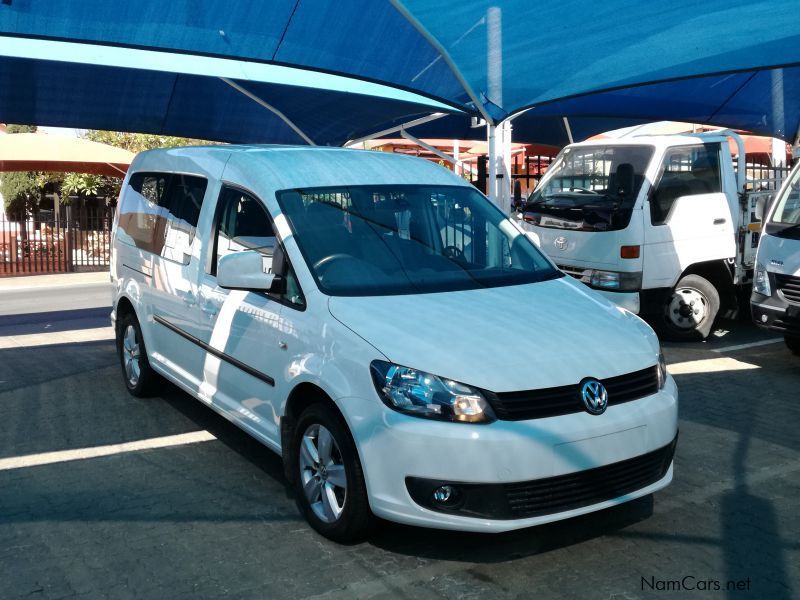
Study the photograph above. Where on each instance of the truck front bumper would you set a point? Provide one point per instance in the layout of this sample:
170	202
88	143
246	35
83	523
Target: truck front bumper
628	300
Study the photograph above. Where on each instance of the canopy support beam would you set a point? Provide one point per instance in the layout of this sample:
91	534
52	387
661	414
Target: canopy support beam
396	128
428	147
568	130
270	108
445	57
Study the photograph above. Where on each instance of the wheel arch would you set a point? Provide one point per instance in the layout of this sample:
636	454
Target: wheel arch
720	274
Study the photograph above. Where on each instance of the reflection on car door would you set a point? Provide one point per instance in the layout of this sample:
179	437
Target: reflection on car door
241	330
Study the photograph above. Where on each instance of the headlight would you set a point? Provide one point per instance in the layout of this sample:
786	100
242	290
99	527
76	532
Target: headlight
662	370
424	395
612	280
761	281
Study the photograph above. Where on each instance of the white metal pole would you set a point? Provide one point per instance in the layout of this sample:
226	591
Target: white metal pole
505	167
491	183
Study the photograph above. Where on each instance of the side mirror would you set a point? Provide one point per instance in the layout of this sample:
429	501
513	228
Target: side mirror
246	270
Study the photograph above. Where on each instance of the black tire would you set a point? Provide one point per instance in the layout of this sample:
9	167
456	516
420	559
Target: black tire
355	520
146	382
676	322
793	343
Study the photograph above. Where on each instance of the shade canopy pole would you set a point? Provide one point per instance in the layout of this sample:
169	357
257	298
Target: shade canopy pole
396	129
270	108
428	147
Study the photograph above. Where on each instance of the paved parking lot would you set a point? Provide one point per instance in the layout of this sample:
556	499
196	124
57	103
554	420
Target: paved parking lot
161	498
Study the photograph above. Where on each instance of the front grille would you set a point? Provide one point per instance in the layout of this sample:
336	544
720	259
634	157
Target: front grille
568	492
788	326
576	272
566	399
547	496
789	287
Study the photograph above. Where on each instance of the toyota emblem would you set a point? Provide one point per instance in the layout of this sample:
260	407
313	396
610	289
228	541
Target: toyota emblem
560	243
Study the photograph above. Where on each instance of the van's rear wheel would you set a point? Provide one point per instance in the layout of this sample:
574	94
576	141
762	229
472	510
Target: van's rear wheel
329	486
793	343
140	379
690	310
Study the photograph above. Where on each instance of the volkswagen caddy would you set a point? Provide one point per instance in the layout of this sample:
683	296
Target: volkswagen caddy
381	325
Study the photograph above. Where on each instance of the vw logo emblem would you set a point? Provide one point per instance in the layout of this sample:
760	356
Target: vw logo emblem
594	396
560	243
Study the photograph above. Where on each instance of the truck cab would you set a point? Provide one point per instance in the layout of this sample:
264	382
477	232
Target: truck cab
775	301
658	224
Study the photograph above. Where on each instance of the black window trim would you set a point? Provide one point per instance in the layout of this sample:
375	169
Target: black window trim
211	265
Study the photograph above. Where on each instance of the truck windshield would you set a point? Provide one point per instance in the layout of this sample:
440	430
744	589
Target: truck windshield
785	220
404	239
590	188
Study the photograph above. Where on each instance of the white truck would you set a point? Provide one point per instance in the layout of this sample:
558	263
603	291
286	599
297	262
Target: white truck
776	290
663	225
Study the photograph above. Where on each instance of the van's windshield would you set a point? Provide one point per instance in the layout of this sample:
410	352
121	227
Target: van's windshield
405	239
785	221
590	188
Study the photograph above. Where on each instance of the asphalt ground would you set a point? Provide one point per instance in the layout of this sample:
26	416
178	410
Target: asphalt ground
107	496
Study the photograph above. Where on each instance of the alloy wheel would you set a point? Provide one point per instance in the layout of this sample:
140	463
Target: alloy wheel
131	355
322	473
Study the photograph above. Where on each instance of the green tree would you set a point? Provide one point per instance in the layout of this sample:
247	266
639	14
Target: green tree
139	142
20	128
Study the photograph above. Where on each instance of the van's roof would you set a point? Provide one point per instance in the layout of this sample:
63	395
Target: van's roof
285	167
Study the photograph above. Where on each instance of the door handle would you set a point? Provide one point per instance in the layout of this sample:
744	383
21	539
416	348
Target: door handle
719	221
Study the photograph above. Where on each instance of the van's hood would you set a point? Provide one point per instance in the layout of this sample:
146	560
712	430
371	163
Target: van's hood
507	338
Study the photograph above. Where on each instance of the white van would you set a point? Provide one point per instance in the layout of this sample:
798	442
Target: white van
380	324
776	290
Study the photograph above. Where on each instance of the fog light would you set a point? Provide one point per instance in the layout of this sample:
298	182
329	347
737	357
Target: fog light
444	494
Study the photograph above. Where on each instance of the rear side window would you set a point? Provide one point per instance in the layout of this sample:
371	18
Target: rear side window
686	171
159	213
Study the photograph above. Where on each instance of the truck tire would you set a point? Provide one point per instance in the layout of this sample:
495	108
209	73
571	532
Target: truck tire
690	310
793	343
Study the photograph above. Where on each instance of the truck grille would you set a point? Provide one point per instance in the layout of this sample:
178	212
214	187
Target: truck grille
789	286
566	399
576	272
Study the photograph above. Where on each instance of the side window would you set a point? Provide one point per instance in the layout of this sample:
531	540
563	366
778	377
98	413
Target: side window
183	200
243	224
159	213
686	171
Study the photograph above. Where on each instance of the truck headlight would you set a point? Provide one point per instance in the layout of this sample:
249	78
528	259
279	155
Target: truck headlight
612	280
761	281
424	395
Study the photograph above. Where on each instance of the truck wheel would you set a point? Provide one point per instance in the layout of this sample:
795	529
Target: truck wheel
793	343
329	483
690	310
140	379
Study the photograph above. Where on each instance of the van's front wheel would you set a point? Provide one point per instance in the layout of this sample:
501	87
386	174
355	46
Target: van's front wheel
690	310
329	486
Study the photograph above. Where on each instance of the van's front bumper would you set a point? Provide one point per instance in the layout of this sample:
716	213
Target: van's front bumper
497	468
776	314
